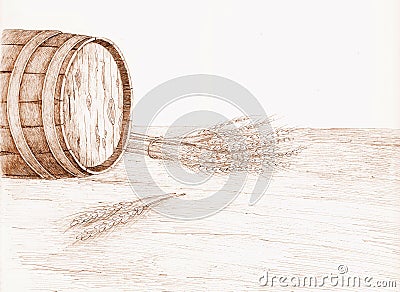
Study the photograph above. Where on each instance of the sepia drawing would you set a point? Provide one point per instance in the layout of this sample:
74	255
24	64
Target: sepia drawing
93	200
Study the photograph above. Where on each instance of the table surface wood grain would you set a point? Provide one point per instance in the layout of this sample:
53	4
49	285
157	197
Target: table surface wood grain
338	204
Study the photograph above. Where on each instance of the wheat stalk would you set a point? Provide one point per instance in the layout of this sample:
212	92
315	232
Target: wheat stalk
104	212
116	215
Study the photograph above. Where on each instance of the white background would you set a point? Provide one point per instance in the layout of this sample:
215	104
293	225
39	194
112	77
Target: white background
317	63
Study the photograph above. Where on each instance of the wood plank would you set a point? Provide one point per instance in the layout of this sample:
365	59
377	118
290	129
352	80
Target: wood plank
49	162
60	80
117	96
81	107
87	104
108	127
69	113
31	87
34	137
4	79
7	143
62	141
17	36
3	115
57	40
120	110
36	140
40	60
57	120
93	152
30	114
8	56
14	165
100	104
112	110
74	126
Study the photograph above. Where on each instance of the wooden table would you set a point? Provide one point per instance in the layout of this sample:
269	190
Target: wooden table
339	204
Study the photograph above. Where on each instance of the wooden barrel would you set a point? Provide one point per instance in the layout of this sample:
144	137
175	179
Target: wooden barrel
65	104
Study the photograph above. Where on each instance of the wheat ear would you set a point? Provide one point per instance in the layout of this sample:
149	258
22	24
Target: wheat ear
104	212
122	215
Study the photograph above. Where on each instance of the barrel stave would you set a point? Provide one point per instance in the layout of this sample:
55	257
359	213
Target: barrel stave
17	36
8	57
14	165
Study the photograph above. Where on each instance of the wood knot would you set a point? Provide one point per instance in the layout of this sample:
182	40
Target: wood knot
88	101
111	111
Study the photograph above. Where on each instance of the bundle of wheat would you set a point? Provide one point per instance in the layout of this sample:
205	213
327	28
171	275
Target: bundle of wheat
242	144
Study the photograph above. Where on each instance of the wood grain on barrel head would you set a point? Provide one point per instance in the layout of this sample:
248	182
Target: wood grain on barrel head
93	99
